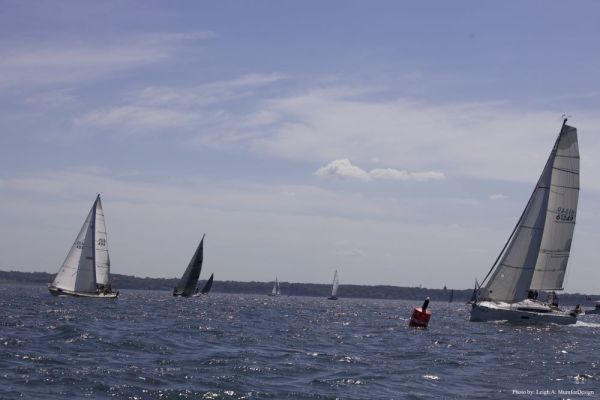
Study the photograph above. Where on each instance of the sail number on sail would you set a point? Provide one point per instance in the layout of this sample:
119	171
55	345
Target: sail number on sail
565	214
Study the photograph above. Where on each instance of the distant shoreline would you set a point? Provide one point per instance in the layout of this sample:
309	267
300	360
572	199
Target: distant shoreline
292	289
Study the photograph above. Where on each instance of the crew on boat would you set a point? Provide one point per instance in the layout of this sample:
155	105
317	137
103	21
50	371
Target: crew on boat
532	294
105	289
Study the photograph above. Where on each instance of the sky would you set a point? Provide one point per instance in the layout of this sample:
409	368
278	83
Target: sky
397	142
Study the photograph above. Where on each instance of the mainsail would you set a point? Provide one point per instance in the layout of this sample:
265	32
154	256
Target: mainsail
336	283
560	217
187	284
207	285
77	273
101	247
536	254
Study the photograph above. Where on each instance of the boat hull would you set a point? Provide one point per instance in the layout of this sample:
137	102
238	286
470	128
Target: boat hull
490	312
61	292
332	298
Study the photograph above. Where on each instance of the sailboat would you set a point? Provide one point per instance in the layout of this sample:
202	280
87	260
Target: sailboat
207	285
334	287
86	270
535	257
276	290
186	287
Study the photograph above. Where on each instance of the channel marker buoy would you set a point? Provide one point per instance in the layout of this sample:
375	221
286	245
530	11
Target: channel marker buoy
420	316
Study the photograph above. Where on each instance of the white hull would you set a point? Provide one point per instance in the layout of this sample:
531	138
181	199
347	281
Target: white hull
484	311
62	292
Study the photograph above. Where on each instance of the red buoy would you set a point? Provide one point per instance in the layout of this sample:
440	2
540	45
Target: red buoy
420	316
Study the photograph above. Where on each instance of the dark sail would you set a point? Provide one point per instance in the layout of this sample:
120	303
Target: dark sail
187	284
207	285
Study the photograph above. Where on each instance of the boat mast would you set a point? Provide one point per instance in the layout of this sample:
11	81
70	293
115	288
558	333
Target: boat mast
526	207
93	222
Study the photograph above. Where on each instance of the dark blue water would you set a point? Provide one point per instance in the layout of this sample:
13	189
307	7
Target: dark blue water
149	345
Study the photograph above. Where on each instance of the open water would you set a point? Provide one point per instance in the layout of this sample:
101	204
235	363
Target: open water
149	345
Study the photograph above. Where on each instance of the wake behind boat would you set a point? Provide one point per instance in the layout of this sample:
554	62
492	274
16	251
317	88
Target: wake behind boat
86	270
187	285
534	259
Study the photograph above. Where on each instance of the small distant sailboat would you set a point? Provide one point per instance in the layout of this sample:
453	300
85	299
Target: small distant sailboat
187	285
276	289
86	270
334	287
536	254
207	285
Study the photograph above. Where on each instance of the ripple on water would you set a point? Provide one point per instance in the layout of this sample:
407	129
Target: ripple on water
148	345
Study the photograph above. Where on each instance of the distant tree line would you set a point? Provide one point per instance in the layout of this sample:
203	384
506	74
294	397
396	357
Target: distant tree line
287	289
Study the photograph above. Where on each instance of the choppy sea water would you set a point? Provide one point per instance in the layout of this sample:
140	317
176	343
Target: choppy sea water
149	345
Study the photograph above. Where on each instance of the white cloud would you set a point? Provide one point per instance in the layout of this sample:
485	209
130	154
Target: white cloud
481	140
346	248
497	196
344	169
389	173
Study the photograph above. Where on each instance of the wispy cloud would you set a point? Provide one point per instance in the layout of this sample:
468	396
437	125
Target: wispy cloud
134	119
168	110
205	94
344	169
497	196
75	60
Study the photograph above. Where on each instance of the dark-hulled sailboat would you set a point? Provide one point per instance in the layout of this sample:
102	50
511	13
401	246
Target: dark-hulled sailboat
187	285
208	285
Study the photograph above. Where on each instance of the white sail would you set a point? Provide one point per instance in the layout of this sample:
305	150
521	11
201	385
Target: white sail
560	216
275	290
77	272
336	283
537	247
102	258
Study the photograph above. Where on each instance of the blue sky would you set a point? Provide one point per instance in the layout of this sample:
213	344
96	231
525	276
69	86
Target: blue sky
396	142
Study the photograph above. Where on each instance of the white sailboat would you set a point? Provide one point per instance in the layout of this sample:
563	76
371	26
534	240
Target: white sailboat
276	290
86	270
334	287
534	258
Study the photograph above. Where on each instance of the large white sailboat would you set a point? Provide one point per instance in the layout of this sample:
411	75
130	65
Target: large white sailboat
534	259
86	270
